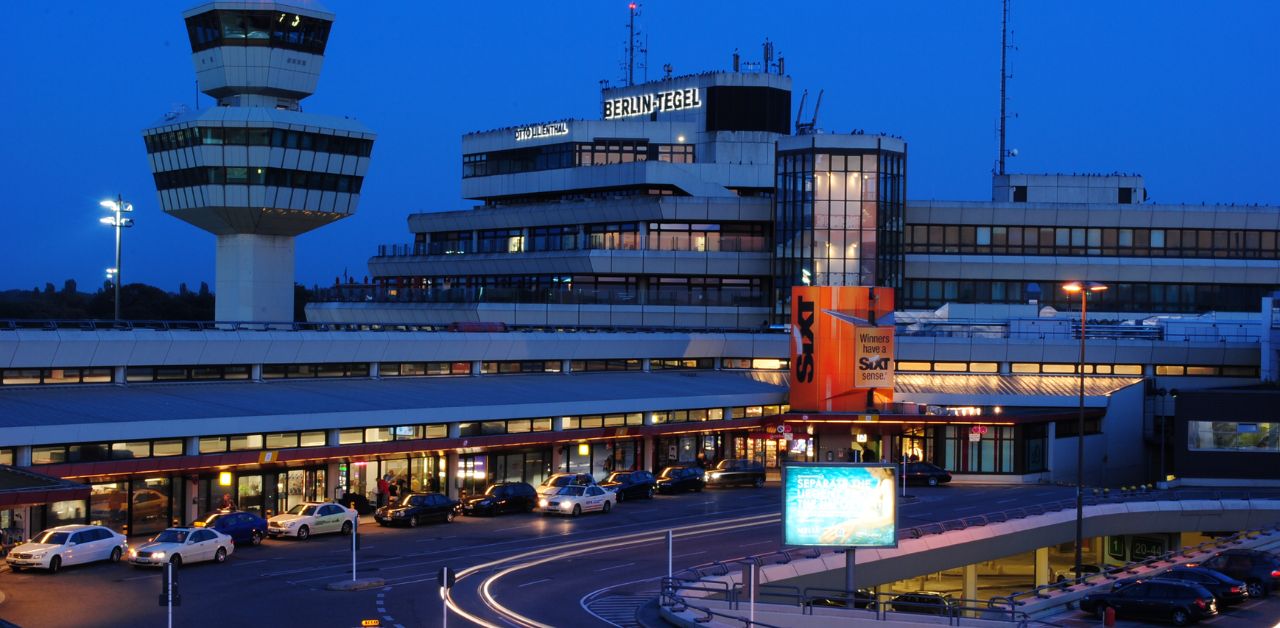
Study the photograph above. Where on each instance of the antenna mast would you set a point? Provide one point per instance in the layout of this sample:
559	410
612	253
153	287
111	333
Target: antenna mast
1004	77
634	9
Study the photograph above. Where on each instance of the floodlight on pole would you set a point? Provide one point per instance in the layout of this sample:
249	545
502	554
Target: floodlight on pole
118	207
1083	288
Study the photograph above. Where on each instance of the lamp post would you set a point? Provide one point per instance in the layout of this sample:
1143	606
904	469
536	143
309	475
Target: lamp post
1084	288
118	207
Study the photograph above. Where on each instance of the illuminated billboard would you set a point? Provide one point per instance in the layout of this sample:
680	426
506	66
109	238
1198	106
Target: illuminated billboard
842	348
839	504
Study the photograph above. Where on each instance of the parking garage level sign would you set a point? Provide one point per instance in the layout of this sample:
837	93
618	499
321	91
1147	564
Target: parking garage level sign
837	504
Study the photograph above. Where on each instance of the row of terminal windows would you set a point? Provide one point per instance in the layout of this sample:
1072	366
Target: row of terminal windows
603	289
572	154
218	444
258	28
1119	297
1058	368
278	177
674	236
1096	241
257	136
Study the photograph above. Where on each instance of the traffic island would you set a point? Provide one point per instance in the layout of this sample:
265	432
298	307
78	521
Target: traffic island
359	584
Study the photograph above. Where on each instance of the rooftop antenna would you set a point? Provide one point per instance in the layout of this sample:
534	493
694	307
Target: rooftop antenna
666	71
800	112
768	55
1004	78
737	59
633	46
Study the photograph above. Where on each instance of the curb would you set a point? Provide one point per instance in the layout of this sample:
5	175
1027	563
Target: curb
355	585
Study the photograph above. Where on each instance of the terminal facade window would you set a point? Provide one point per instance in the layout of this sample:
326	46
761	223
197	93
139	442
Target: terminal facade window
1234	436
1119	297
573	154
1092	241
101	452
708	237
29	377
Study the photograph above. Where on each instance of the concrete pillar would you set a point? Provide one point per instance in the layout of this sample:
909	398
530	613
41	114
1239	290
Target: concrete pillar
191	445
646	365
331	479
1042	574
650	444
332	437
255	372
22	456
118	374
557	457
254	278
886	448
191	509
1098	543
374	370
565	365
452	481
970	583
476	367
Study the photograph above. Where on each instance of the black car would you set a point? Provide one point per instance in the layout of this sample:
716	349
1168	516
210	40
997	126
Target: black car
923	603
630	484
416	508
1225	589
502	497
926	473
862	598
736	473
680	479
245	528
1177	601
1259	571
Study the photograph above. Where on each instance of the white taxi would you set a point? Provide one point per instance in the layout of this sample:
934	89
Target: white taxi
68	545
310	518
575	500
182	545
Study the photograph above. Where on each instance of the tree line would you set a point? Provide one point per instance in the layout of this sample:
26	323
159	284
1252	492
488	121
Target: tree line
137	302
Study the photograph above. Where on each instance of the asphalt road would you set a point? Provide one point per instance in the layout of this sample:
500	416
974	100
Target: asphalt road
531	565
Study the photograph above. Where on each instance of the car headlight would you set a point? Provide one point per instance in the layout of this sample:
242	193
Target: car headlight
542	503
399	513
132	552
157	554
715	476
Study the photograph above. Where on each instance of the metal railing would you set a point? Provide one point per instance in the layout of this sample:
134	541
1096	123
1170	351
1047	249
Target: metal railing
235	326
1045	329
1000	607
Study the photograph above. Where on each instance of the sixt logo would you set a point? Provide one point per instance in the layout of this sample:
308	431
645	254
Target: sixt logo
804	346
870	364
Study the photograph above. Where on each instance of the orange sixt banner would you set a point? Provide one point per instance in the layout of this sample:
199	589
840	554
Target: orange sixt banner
842	348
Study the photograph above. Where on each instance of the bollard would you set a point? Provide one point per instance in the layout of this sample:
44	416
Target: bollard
1109	617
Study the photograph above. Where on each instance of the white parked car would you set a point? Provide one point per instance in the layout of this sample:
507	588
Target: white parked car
310	518
68	545
575	500
182	545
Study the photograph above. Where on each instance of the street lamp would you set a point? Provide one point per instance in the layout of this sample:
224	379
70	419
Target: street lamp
1084	288
118	207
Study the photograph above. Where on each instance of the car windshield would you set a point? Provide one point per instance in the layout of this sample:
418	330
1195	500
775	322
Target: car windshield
408	500
559	480
618	477
573	491
209	519
670	472
493	488
51	538
303	509
724	464
171	536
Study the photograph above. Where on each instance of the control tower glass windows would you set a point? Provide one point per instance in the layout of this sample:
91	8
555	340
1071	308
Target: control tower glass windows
730	237
257	28
257	136
623	236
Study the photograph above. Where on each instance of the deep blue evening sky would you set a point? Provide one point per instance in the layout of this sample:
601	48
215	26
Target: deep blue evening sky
1185	93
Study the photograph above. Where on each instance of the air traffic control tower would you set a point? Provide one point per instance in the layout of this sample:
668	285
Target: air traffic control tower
255	170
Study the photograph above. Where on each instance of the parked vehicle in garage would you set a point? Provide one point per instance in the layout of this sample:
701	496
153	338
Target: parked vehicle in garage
182	546
1259	571
244	527
502	497
736	473
1169	600
575	500
1069	573
862	598
922	602
926	473
680	479
416	508
310	518
68	545
630	484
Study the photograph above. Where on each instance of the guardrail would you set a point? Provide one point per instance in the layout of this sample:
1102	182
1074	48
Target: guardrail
1000	607
1046	329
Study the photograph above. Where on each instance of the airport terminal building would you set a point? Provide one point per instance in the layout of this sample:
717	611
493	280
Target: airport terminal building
619	298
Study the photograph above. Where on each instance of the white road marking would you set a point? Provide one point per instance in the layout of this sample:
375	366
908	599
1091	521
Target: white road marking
249	562
616	567
533	582
139	577
689	554
756	543
382	610
511	528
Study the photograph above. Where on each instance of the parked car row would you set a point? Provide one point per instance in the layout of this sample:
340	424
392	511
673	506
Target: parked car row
1191	592
214	536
